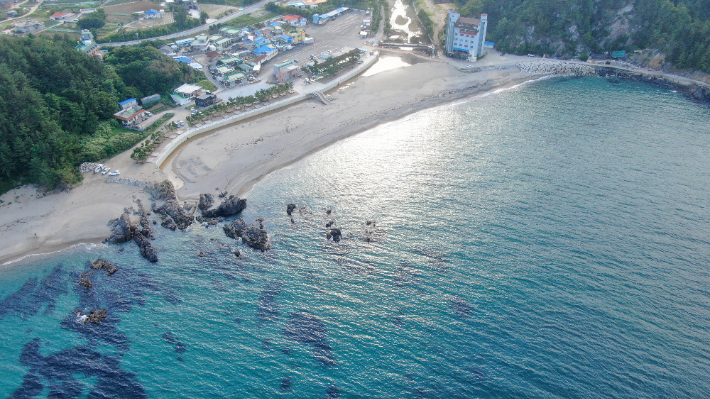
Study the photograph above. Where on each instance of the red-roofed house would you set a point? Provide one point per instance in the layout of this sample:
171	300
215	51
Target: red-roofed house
295	20
58	16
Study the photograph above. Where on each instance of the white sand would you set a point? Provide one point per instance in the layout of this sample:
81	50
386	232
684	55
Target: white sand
236	157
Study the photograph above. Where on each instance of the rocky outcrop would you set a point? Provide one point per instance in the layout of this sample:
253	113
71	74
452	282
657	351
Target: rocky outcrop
102	264
290	208
182	216
228	207
162	191
84	281
335	234
254	236
95	316
147	250
168	223
121	229
206	202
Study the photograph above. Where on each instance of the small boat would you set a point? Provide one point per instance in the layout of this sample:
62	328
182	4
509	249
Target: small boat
114	173
98	168
105	170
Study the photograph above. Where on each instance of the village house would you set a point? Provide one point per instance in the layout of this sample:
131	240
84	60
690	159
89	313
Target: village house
295	20
153	14
185	93
130	103
8	3
59	16
233	79
298	35
205	100
131	116
28	26
87	45
286	71
150	100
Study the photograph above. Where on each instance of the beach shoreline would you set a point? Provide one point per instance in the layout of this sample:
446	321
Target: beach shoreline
238	156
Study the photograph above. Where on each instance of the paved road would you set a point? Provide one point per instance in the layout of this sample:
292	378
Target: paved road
33	9
194	31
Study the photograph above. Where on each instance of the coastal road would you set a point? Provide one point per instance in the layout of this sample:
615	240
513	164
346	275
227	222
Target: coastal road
193	31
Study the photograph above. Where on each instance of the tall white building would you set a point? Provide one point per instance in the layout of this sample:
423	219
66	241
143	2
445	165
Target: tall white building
465	36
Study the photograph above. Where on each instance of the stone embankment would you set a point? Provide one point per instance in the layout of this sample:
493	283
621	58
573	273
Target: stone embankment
556	68
130	182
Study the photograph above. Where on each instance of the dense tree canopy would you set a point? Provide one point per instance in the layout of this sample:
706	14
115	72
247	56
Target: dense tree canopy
148	70
678	28
53	99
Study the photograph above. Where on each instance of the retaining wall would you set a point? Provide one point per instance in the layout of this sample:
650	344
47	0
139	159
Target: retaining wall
174	144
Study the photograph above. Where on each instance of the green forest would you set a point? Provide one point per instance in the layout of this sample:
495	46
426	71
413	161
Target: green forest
57	105
680	29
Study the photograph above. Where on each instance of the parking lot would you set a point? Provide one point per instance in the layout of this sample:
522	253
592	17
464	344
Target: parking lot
333	36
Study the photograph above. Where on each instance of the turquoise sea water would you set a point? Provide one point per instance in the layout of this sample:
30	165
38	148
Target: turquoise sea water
548	241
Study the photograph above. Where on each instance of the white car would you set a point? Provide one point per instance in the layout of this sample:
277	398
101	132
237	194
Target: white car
114	173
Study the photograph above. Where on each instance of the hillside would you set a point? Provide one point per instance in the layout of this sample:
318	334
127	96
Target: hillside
678	30
57	105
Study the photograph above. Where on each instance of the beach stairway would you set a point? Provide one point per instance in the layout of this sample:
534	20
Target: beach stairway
319	95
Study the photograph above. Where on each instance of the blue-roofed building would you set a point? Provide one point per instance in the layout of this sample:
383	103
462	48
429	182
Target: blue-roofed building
152	14
267	51
183	59
286	38
125	104
260	41
275	24
489	44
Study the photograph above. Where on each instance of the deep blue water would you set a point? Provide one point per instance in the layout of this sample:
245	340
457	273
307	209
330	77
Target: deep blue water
548	241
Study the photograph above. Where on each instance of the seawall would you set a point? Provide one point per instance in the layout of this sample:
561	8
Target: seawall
175	144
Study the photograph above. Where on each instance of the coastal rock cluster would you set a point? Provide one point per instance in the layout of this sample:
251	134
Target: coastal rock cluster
255	235
102	264
229	207
122	230
556	68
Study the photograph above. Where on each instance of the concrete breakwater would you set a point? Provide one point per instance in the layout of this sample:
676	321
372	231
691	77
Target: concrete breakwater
694	90
556	68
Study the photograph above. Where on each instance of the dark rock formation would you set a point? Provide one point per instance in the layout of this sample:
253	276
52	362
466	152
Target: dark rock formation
335	234
183	216
268	307
162	191
206	202
147	250
121	229
228	207
460	307
84	281
285	384
208	221
255	237
290	208
332	392
101	264
57	374
168	223
180	347
307	329
96	316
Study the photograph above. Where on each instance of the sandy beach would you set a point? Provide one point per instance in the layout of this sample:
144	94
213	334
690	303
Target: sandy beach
234	158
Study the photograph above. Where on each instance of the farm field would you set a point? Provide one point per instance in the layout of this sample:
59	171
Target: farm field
129	8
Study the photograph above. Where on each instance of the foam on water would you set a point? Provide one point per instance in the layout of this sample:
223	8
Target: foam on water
548	241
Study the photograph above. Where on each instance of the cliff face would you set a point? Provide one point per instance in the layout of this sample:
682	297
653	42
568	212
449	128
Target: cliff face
566	29
669	35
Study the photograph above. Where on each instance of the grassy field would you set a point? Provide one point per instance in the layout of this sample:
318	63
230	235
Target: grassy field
207	85
129	8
